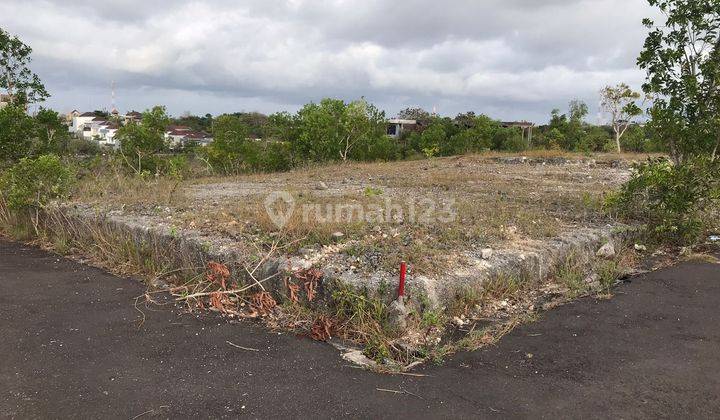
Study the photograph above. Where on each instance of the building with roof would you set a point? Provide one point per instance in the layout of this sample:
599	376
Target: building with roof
132	117
396	126
525	126
5	100
178	136
80	121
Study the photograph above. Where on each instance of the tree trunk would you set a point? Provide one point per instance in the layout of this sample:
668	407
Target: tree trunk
617	141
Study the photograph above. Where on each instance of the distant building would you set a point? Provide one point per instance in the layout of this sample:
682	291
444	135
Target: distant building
525	126
132	116
395	127
5	100
106	134
80	122
178	136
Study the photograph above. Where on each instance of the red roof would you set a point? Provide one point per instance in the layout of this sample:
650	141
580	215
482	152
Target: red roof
180	128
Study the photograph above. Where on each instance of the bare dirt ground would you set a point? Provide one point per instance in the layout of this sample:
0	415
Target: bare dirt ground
425	212
75	346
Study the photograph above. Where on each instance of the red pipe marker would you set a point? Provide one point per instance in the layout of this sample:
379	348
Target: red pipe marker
403	272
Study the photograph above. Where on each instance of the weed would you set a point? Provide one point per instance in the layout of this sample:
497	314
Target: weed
608	273
377	349
572	274
431	319
372	192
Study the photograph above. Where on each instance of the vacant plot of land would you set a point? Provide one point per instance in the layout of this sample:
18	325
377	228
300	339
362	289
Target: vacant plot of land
430	213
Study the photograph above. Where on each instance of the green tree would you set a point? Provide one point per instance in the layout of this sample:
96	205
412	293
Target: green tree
281	126
23	86
33	182
679	201
682	59
575	129
51	134
423	118
620	103
156	119
16	130
226	151
332	129
432	139
140	142
509	139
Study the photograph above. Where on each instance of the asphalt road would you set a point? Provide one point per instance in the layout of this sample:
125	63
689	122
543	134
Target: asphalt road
71	348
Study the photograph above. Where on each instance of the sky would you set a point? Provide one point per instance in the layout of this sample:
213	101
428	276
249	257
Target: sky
509	59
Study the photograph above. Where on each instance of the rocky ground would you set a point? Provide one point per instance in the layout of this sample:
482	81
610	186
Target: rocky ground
439	215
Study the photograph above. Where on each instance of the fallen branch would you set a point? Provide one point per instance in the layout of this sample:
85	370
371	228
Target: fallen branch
402	391
241	347
227	292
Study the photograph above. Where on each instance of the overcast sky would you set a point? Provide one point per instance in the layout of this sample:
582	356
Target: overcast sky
510	59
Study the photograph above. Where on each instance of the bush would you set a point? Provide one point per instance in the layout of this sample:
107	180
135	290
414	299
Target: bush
34	182
509	139
676	202
83	147
267	156
16	130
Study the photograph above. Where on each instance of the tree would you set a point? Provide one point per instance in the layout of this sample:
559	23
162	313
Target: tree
229	138
620	102
139	142
156	119
23	86
682	61
432	139
16	129
281	126
363	122
51	135
422	117
332	129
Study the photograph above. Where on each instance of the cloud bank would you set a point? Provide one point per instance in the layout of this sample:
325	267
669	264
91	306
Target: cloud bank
510	59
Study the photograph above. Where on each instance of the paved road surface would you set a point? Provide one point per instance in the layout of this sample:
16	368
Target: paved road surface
71	348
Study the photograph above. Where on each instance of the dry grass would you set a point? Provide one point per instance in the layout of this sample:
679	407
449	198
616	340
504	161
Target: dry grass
495	203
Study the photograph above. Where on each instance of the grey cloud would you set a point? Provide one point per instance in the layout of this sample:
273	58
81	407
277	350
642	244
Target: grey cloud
510	58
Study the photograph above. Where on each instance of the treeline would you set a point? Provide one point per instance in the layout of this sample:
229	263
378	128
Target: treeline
22	135
334	130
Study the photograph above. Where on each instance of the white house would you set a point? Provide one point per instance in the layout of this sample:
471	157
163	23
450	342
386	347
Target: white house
80	121
396	126
106	134
179	135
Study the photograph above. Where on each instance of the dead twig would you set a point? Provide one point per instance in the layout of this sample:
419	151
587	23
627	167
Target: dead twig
241	347
226	292
402	391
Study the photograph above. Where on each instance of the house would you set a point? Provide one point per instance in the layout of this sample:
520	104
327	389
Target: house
106	134
69	117
80	122
132	116
525	126
4	100
175	135
179	135
395	127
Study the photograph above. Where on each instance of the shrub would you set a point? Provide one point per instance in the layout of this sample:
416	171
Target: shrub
16	129
34	182
267	156
82	147
178	167
675	201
